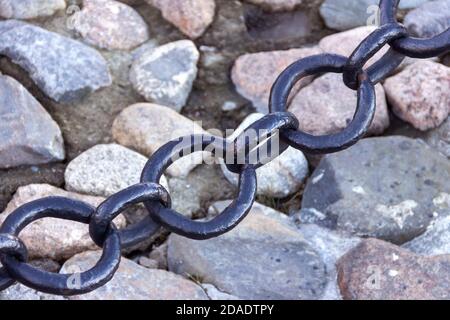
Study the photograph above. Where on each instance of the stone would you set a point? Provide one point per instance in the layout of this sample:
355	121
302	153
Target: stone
331	246
411	4
381	187
420	94
344	15
283	265
439	138
104	170
376	270
53	238
229	106
143	48
191	17
30	9
327	106
214	294
64	69
134	282
214	66
159	254
279	178
204	184
46	264
266	67
148	263
277	5
20	292
436	240
165	74
29	134
110	25
211	56
429	19
156	126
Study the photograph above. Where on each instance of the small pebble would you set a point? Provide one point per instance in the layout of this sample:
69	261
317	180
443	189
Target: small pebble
165	74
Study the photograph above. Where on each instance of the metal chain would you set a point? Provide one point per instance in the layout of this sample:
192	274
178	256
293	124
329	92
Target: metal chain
278	123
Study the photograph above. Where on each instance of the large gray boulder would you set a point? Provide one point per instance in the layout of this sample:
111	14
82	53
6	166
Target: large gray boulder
64	69
381	187
29	135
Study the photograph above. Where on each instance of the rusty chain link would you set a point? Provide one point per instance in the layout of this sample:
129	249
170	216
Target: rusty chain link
13	252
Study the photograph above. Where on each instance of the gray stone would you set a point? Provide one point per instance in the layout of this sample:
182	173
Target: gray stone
165	74
20	292
46	264
212	58
264	257
104	170
110	25
420	94
64	69
205	183
157	125
30	9
147	263
214	294
331	246
439	138
54	238
436	240
119	63
214	67
134	282
381	187
159	254
430	19
344	15
229	106
327	106
143	48
279	178
411	4
29	136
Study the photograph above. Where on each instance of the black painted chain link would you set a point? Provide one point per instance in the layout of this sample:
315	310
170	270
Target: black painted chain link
13	252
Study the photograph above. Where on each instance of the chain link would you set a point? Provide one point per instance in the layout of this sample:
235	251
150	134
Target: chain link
278	124
256	143
367	49
176	222
357	128
409	46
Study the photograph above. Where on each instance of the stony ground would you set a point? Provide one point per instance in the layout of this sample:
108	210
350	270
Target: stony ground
90	89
